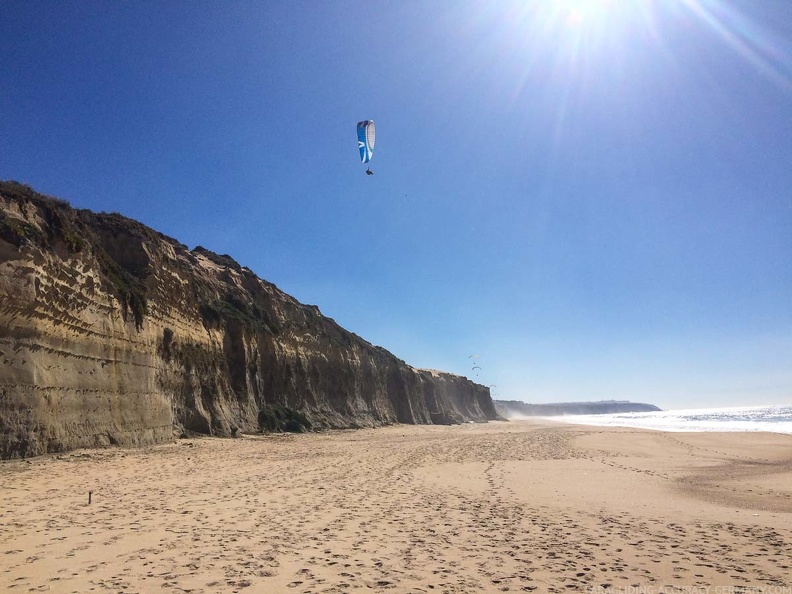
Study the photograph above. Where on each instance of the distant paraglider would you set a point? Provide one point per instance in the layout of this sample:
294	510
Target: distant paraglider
475	367
366	135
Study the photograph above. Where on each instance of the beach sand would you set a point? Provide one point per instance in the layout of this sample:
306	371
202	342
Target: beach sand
497	507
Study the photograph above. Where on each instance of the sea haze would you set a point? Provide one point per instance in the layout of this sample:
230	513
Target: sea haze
775	419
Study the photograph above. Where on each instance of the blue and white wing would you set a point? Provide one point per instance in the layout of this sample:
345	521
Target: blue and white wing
365	131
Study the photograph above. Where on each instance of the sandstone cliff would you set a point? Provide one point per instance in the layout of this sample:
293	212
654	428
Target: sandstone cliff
112	333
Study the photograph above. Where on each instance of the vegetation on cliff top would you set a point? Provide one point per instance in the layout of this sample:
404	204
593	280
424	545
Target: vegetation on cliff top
74	229
116	243
220	259
231	308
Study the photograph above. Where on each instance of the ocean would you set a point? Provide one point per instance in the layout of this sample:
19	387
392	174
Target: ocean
775	419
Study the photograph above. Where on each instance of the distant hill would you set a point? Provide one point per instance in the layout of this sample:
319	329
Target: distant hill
515	408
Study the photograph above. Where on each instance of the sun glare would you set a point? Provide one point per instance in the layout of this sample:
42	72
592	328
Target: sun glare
578	12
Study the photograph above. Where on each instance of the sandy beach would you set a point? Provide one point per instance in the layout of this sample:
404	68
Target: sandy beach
498	507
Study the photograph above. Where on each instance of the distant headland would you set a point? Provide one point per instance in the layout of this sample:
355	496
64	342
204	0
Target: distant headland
515	408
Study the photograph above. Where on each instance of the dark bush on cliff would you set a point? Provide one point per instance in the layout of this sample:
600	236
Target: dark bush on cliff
275	418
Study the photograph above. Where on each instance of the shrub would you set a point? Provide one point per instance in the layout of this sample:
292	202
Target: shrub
275	418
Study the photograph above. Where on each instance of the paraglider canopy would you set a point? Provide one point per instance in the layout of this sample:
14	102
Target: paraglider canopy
365	132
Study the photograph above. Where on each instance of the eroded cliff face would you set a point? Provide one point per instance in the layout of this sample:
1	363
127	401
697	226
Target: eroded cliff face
111	333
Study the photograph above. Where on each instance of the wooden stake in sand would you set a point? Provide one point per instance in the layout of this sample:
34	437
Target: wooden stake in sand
89	497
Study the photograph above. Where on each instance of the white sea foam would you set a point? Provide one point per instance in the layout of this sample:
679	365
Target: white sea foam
775	419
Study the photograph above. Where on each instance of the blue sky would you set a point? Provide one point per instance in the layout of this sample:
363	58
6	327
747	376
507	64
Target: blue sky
594	196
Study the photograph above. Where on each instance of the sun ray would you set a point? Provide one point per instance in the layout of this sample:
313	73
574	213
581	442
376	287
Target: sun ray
747	39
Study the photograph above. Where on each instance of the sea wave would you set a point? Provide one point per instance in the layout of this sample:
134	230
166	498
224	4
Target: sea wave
775	419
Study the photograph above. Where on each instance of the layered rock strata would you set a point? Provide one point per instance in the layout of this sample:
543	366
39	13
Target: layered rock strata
112	333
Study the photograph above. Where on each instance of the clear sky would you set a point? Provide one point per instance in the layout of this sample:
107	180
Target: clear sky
593	196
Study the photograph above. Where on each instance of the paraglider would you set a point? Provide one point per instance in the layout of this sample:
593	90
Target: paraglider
365	132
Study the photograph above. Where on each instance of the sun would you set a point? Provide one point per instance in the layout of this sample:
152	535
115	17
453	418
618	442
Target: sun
578	12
